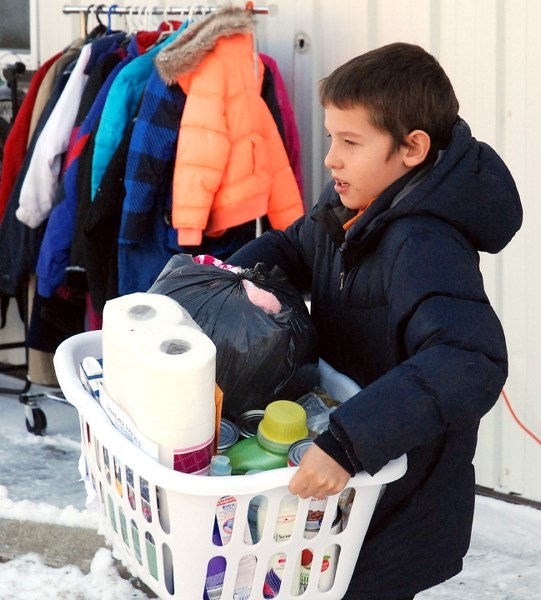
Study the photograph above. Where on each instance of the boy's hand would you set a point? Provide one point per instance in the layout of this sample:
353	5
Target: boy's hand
318	475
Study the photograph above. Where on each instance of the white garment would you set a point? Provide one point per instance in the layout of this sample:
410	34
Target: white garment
42	177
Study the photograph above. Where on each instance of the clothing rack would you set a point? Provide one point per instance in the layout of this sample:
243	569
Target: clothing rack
12	75
166	12
16	345
195	9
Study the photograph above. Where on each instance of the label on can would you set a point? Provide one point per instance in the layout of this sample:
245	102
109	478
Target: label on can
248	421
229	434
316	508
336	526
296	451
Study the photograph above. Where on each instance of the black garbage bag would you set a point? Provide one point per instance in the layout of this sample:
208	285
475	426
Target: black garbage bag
261	355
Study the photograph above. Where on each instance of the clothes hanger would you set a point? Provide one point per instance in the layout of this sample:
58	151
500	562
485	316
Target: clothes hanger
142	18
131	25
191	12
147	18
109	17
100	29
97	13
84	21
166	20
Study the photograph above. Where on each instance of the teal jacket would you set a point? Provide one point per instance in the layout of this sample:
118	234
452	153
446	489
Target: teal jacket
120	108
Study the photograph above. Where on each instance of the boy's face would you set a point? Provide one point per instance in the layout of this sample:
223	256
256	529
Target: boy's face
362	159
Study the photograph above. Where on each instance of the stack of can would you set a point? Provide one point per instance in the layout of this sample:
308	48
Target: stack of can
245	426
248	421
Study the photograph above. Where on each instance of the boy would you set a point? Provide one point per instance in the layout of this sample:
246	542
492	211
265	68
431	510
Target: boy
390	257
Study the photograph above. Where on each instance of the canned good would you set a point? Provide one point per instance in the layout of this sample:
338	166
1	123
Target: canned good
248	422
229	434
297	450
314	517
336	526
317	506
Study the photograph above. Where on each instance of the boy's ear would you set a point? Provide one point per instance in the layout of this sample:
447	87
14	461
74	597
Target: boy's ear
417	145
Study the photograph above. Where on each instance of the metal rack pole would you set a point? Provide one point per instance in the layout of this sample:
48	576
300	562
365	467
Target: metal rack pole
13	345
159	10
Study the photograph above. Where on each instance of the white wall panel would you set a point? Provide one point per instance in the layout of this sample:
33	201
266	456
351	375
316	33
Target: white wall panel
56	30
491	49
491	52
291	38
521	277
403	21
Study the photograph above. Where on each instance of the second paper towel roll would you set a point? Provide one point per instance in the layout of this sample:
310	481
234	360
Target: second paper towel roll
127	314
165	378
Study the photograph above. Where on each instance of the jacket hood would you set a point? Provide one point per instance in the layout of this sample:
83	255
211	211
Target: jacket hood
468	187
186	53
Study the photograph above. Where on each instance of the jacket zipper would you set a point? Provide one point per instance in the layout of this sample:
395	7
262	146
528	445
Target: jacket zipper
342	275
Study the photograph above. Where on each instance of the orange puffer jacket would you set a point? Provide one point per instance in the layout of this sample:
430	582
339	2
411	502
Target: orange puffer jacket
231	165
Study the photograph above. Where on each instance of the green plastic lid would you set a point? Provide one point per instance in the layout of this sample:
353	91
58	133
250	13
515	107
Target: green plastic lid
283	423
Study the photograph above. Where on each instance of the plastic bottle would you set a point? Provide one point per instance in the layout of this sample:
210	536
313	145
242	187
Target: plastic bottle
283	423
223	524
219	466
329	564
283	530
222	531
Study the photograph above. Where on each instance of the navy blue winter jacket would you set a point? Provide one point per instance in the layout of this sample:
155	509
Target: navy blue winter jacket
400	307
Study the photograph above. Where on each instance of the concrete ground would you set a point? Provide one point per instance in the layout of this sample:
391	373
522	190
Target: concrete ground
58	545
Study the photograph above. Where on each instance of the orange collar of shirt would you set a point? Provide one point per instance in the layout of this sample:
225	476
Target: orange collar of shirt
354	219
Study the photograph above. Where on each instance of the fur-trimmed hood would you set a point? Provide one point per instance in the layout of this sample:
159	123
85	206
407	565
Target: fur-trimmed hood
187	52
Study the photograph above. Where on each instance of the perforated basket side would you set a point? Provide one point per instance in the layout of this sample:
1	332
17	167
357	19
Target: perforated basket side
160	522
171	553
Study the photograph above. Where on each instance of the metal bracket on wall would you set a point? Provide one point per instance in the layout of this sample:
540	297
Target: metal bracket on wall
302	43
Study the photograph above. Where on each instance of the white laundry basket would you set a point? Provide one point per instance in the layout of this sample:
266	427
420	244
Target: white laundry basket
160	522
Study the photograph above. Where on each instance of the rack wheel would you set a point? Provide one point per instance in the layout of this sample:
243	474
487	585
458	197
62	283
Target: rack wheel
39	422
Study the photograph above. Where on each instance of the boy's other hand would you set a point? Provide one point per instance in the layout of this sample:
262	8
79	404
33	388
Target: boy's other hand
318	475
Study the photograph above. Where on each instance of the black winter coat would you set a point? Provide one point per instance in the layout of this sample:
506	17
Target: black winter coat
400	307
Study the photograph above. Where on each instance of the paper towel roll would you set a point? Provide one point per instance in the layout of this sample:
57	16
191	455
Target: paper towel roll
126	314
142	309
165	380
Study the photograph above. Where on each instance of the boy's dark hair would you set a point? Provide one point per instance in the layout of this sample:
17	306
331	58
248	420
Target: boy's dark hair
403	87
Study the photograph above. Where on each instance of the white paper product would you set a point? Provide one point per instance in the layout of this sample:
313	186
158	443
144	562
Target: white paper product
125	315
91	374
123	423
142	309
165	381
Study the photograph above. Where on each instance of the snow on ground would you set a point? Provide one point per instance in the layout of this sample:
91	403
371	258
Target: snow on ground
40	468
504	560
27	578
39	481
